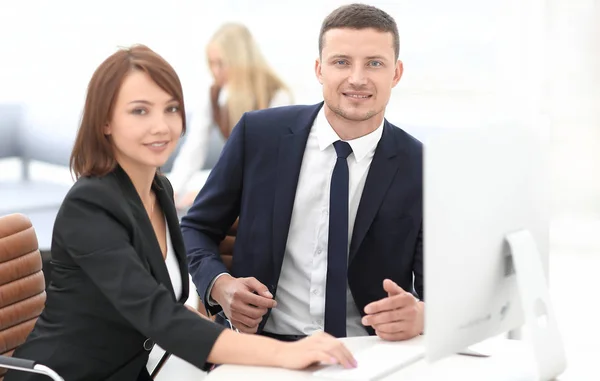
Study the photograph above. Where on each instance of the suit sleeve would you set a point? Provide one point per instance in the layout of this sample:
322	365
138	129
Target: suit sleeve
418	266
91	232
215	209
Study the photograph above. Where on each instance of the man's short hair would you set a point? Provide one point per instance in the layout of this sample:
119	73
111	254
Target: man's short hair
360	16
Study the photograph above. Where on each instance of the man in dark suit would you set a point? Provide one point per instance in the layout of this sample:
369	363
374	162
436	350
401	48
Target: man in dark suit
329	199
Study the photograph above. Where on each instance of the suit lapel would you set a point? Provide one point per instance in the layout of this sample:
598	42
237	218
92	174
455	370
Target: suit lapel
289	162
381	173
150	248
168	207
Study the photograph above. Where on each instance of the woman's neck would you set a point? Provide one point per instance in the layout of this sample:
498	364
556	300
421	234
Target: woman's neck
141	179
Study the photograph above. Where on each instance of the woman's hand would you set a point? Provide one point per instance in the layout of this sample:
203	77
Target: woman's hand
318	348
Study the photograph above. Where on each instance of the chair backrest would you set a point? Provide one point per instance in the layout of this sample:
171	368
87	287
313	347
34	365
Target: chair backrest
22	287
226	246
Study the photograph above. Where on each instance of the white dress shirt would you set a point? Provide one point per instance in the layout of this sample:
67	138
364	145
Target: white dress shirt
195	148
173	266
301	289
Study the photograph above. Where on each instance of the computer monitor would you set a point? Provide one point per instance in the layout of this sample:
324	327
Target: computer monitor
486	220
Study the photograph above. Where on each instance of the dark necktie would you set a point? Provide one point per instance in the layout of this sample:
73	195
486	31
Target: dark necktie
337	249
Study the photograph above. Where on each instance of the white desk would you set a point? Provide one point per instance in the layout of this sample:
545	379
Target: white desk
511	360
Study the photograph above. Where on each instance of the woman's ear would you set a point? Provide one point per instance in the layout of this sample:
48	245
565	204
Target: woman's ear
107	130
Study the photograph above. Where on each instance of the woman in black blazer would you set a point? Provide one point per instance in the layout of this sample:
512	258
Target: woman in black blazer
119	278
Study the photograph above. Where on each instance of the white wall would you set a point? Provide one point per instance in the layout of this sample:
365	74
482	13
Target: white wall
467	62
449	48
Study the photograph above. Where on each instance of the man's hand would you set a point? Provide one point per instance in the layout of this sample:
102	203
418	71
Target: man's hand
399	316
244	300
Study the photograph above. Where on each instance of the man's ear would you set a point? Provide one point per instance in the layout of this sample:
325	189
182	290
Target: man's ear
318	70
398	73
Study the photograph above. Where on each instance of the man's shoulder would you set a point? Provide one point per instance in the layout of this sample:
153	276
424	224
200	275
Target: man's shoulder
405	139
283	115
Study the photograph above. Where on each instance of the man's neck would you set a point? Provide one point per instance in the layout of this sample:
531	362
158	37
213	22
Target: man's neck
350	129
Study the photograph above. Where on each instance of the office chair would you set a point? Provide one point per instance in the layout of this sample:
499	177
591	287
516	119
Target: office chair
22	291
226	246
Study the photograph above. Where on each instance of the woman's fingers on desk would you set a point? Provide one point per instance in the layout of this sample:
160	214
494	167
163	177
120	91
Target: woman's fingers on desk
319	347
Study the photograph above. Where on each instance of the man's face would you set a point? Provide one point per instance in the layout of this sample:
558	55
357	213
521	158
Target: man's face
358	70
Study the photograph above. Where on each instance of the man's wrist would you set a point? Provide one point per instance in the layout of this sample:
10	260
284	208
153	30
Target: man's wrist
210	295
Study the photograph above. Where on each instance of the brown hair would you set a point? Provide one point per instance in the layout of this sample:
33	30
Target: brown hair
360	16
92	153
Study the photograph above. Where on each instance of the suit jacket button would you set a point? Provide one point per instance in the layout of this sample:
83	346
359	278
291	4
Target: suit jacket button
148	344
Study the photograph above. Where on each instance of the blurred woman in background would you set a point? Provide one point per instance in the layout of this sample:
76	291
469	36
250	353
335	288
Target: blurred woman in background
242	81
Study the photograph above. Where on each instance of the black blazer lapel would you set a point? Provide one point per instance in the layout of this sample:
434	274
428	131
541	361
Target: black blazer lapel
150	247
168	207
381	173
289	162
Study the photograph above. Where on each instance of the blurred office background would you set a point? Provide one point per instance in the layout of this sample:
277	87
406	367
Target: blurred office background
467	63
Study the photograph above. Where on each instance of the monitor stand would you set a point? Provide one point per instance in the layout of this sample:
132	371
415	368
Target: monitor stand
540	320
523	261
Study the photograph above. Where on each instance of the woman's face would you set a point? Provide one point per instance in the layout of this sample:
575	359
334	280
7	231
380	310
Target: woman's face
216	65
146	123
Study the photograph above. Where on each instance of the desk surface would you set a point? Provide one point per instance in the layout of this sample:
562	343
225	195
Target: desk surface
510	360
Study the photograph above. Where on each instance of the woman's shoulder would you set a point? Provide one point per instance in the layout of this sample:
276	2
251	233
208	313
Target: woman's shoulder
105	183
102	190
163	182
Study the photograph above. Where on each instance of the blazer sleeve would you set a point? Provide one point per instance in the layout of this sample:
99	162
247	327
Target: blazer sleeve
99	243
418	266
215	209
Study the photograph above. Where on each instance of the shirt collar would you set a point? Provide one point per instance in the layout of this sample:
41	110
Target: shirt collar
361	147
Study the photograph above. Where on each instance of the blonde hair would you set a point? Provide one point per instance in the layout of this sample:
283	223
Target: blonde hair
251	83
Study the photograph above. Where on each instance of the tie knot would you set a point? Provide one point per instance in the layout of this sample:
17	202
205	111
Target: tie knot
342	149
